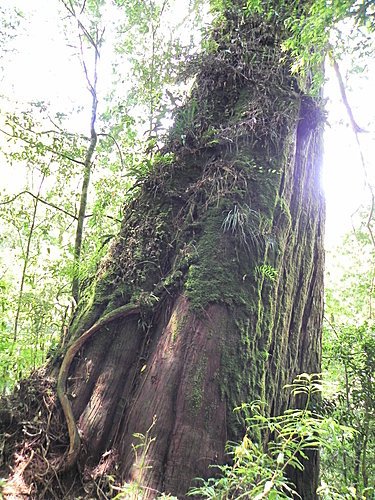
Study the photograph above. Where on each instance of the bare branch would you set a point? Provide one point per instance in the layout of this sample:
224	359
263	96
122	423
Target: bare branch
59	131
51	150
69	8
81	26
117	146
357	130
83	6
106	216
52	205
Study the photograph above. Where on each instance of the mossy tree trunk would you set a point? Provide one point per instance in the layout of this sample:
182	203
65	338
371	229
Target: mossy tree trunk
221	254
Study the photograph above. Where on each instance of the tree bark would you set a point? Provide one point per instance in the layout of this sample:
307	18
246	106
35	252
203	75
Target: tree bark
222	250
222	253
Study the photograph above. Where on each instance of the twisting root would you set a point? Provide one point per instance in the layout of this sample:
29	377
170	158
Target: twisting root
74	438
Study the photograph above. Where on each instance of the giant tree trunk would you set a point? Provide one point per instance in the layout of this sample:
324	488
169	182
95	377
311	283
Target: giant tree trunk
221	255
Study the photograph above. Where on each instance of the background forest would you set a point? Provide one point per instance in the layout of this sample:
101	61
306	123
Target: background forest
87	95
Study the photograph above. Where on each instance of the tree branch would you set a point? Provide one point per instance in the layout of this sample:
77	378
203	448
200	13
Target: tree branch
59	131
26	263
106	216
117	146
83	6
357	130
52	205
51	150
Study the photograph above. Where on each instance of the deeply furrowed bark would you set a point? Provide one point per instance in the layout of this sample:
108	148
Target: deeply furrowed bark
222	252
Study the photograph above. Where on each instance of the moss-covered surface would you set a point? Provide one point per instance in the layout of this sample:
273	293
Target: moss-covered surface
177	324
196	396
214	276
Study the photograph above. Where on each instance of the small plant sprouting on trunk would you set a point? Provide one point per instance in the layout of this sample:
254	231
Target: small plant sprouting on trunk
244	222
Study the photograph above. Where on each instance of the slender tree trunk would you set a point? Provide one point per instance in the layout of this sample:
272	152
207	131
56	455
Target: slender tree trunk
365	441
94	40
83	198
26	263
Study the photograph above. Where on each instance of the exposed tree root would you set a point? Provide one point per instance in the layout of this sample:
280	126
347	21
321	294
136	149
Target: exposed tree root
33	434
31	429
74	439
33	438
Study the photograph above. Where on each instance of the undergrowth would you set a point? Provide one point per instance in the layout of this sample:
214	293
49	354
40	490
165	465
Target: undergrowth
260	469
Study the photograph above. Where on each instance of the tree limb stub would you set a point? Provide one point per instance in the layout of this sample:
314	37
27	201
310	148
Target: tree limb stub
74	438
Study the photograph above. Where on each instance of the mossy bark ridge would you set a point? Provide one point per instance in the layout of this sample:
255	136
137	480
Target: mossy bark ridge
221	255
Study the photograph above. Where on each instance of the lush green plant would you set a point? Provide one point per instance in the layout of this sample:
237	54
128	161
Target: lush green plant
350	356
259	469
349	362
39	219
244	223
310	26
39	216
266	271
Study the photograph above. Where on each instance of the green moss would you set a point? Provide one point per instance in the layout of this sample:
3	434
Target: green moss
282	210
215	275
197	382
91	306
223	272
177	325
237	373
